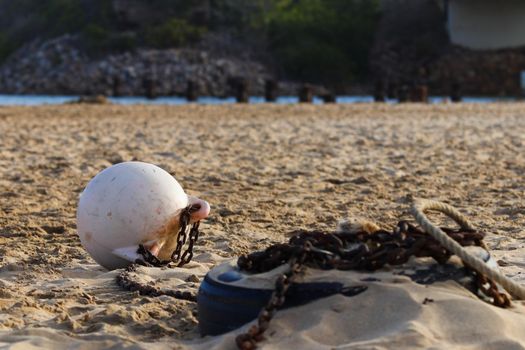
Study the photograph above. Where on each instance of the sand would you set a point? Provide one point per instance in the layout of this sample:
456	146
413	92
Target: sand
266	170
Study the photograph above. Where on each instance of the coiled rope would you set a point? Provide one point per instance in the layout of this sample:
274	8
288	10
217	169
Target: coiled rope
515	289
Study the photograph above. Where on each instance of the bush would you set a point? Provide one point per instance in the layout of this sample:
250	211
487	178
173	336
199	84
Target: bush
63	16
98	40
321	41
24	20
95	33
6	47
174	32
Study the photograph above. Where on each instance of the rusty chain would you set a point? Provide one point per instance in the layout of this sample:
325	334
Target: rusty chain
148	259
249	339
125	280
178	257
188	253
352	251
316	249
491	291
181	238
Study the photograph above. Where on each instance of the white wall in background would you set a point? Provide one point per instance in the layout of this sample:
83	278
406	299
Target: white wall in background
487	24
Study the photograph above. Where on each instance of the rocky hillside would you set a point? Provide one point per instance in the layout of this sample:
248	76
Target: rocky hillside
118	46
57	66
130	47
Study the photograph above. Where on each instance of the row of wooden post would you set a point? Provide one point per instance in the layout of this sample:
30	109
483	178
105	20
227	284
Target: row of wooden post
410	93
241	89
382	91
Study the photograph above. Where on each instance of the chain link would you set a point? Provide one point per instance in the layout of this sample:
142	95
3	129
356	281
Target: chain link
248	340
188	253
181	238
177	257
352	251
317	249
126	281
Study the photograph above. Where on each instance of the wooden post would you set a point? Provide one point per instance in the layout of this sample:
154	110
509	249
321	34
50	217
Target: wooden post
191	91
391	90
116	86
306	94
379	91
419	93
455	92
149	88
270	90
241	93
329	97
403	93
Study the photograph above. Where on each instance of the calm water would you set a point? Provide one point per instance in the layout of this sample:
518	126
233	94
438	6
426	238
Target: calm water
32	100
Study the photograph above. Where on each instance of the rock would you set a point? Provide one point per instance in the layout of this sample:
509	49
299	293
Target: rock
58	66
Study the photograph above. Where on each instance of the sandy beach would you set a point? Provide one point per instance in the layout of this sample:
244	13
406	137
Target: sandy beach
266	170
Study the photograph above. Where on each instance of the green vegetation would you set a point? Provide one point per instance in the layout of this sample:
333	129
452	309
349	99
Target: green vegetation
173	33
6	47
24	20
62	16
324	41
99	40
319	41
